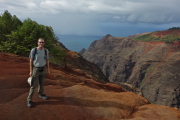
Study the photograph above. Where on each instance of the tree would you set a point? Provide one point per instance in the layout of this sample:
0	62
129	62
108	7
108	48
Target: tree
16	22
174	28
20	37
8	23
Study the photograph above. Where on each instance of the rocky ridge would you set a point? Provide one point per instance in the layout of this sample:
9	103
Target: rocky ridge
152	67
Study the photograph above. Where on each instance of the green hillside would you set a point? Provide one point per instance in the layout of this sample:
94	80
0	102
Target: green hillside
20	37
167	36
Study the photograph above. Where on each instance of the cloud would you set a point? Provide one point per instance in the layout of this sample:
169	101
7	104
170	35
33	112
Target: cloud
80	16
131	11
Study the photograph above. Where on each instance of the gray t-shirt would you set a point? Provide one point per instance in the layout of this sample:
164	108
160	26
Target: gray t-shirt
40	57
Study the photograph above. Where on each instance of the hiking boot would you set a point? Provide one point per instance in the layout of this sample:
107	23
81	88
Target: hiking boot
29	103
43	96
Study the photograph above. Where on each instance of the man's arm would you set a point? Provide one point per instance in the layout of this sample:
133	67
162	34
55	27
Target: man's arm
47	66
31	66
47	61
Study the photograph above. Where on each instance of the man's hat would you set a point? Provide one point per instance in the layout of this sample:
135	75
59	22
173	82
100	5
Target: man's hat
29	80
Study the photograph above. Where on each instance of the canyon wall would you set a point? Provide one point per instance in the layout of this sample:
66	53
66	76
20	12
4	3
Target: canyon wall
153	67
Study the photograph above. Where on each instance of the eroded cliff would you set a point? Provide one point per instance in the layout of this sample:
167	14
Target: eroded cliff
153	67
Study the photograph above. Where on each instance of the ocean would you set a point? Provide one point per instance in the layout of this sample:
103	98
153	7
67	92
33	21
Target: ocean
76	42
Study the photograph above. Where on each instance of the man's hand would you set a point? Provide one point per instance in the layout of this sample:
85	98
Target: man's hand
30	74
48	71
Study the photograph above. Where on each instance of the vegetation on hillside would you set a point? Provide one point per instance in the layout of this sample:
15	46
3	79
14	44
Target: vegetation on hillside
174	28
169	38
20	37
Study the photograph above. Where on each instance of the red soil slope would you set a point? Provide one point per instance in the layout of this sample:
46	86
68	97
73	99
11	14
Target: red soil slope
73	95
167	32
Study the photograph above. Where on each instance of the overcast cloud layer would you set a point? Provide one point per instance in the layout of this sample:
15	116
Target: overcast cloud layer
98	17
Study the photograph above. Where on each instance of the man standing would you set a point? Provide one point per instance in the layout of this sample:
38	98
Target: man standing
39	64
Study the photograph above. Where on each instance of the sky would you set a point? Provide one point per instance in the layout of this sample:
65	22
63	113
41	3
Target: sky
120	18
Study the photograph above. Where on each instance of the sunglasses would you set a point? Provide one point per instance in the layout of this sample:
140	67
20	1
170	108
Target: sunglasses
41	42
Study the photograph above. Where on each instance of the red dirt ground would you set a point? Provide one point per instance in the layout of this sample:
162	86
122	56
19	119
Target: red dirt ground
73	95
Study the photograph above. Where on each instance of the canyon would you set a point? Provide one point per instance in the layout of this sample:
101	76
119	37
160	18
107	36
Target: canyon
151	68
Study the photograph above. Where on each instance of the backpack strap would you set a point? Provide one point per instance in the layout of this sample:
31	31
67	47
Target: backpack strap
45	51
35	51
